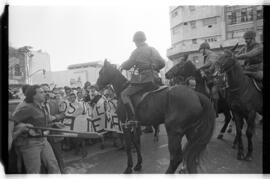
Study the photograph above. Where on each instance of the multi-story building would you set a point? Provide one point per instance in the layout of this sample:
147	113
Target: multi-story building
240	19
16	68
218	25
39	62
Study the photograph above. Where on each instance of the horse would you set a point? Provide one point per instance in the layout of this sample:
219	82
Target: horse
187	70
243	97
184	112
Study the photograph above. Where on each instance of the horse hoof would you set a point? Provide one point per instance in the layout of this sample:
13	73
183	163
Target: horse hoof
248	158
220	136
229	131
155	140
182	171
240	156
128	171
138	167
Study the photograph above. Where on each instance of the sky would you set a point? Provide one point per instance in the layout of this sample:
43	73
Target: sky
79	34
79	31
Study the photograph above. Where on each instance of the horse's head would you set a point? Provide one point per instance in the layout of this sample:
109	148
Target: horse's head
185	69
106	74
226	60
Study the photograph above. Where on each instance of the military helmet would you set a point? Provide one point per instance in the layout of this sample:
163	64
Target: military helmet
204	45
139	37
249	35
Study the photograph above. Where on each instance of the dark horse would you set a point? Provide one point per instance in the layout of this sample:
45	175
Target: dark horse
244	100
182	110
187	70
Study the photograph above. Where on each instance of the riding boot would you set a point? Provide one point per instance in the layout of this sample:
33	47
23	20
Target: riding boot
130	114
215	102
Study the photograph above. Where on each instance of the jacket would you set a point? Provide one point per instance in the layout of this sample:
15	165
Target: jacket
253	57
147	62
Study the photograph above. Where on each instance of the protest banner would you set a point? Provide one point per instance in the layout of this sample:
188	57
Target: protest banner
100	118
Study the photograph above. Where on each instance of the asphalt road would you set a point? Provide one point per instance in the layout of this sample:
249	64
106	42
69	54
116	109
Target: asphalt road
219	158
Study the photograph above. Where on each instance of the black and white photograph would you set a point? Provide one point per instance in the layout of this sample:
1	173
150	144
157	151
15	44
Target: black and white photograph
134	88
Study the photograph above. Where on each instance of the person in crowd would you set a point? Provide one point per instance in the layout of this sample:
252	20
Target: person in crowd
74	108
86	84
55	115
67	91
80	96
32	145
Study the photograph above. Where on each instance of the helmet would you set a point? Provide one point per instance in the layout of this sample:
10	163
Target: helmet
139	37
204	45
249	35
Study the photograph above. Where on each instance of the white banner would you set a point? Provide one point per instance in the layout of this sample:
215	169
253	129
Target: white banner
100	118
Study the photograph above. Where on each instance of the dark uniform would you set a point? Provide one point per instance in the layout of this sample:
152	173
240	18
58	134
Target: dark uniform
210	59
252	54
146	62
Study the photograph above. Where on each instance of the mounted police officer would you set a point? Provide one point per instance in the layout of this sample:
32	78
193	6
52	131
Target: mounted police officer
210	59
146	62
252	54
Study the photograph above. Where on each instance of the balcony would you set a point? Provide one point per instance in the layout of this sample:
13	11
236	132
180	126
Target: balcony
178	49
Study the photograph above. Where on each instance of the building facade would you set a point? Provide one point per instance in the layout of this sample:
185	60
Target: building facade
218	25
75	76
39	63
16	67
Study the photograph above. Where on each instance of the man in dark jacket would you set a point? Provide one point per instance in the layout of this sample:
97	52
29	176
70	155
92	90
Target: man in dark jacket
252	54
146	62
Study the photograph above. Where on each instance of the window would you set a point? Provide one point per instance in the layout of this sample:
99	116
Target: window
229	35
259	12
233	18
176	29
249	14
17	70
210	21
194	41
174	14
193	24
244	15
229	18
192	8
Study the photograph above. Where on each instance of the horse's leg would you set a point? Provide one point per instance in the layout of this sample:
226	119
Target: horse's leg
127	137
227	121
239	126
176	154
249	134
102	145
136	141
156	133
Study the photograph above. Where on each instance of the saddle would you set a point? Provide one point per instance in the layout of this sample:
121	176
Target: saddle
141	96
255	80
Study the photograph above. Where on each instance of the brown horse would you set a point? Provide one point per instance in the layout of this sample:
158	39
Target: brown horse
187	70
181	109
243	97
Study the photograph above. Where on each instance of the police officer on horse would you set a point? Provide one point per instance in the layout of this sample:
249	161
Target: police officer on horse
210	58
146	62
252	54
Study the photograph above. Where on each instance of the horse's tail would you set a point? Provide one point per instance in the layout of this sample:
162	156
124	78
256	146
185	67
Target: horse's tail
201	135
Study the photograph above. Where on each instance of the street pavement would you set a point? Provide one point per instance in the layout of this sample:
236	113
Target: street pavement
219	158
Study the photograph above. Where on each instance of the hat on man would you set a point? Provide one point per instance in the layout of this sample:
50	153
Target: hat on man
204	45
249	35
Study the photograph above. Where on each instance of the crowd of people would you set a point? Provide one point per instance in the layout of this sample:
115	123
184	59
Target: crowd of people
45	107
